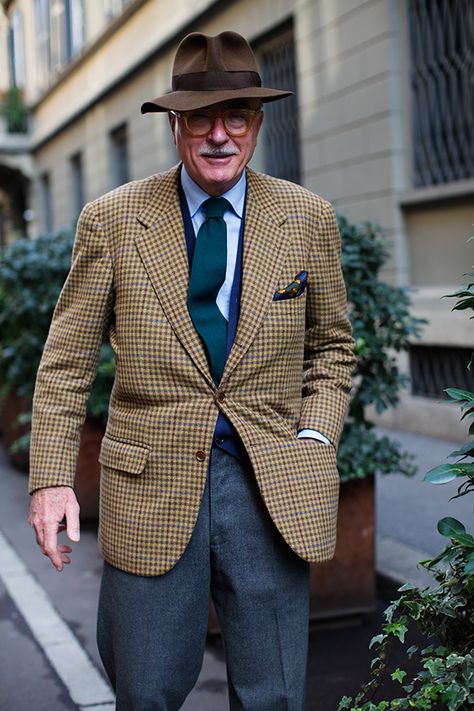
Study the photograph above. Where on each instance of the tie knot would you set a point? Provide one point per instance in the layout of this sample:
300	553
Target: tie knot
215	207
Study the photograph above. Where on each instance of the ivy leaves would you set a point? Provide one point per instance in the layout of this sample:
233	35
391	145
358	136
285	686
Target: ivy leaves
444	613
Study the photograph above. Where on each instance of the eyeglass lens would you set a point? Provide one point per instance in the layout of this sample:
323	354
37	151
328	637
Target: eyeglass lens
235	121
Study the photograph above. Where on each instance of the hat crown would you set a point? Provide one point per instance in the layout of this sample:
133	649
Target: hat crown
209	70
225	52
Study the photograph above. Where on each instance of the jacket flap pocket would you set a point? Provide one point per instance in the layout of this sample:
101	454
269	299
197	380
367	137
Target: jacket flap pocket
124	456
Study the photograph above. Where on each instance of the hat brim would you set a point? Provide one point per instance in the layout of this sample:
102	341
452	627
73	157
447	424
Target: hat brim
190	100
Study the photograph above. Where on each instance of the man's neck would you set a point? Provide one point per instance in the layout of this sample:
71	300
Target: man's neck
195	194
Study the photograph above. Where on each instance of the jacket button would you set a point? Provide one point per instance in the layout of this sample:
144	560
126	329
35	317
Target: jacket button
220	396
200	455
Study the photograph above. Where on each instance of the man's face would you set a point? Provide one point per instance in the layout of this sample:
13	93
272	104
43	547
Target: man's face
216	160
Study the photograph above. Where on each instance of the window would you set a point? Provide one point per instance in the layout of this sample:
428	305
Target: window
119	150
42	42
434	368
75	26
46	203
58	35
112	8
16	50
280	132
60	25
442	67
77	176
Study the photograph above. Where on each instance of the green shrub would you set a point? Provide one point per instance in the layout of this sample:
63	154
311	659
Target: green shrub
382	327
14	111
32	273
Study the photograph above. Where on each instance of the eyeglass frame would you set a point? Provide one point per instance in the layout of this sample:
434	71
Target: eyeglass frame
215	115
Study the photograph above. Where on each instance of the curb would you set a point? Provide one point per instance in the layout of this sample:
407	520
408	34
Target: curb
399	563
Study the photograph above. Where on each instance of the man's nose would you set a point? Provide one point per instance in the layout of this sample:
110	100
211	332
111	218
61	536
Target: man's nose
218	133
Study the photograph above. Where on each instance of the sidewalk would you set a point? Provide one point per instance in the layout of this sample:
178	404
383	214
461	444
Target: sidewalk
57	673
408	510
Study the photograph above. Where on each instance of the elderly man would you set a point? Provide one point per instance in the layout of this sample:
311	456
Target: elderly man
221	292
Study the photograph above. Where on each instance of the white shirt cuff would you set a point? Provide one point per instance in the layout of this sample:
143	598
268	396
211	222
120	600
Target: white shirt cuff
314	434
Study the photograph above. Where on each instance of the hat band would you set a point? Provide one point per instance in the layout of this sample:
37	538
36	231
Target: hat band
215	80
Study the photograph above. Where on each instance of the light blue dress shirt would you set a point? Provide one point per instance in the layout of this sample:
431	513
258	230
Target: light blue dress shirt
195	196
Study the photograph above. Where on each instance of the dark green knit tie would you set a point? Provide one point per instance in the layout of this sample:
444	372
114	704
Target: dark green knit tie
206	278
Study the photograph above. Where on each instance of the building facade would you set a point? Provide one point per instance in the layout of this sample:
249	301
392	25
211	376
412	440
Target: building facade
382	125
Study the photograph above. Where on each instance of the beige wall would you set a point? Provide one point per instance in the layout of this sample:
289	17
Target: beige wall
352	58
437	237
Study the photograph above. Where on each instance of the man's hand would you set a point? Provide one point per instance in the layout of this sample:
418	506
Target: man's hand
48	508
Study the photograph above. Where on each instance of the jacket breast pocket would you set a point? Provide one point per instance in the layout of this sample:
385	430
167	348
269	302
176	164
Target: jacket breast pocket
292	308
283	330
123	456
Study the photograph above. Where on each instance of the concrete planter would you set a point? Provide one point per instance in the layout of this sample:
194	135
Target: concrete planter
14	405
88	469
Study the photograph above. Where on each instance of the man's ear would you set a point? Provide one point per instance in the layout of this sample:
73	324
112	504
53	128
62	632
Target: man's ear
259	120
172	121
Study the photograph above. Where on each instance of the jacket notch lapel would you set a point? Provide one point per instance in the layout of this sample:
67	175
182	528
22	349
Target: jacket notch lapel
162	248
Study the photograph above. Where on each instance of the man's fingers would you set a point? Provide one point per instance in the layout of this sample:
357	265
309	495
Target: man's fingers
64	550
38	531
39	535
50	545
72	520
62	554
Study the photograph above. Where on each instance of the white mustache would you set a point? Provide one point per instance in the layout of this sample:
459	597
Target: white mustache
217	151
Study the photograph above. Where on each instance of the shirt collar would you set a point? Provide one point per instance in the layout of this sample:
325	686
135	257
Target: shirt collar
195	195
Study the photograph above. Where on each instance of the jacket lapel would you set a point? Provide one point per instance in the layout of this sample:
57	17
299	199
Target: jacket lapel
265	247
162	248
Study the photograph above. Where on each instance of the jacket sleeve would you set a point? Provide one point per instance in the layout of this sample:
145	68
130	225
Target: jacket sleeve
329	347
70	357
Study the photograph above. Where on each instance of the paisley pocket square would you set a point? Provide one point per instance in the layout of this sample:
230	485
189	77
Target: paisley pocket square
293	290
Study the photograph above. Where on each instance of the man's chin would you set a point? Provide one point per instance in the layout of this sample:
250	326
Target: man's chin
218	179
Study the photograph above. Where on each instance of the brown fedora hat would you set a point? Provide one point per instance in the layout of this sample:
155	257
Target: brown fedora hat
208	70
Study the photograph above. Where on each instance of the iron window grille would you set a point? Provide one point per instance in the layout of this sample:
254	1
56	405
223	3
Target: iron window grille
435	368
442	89
276	55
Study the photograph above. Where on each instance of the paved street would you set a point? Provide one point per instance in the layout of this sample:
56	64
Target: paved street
48	657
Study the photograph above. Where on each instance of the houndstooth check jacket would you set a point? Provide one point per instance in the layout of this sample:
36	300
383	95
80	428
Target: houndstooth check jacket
289	369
